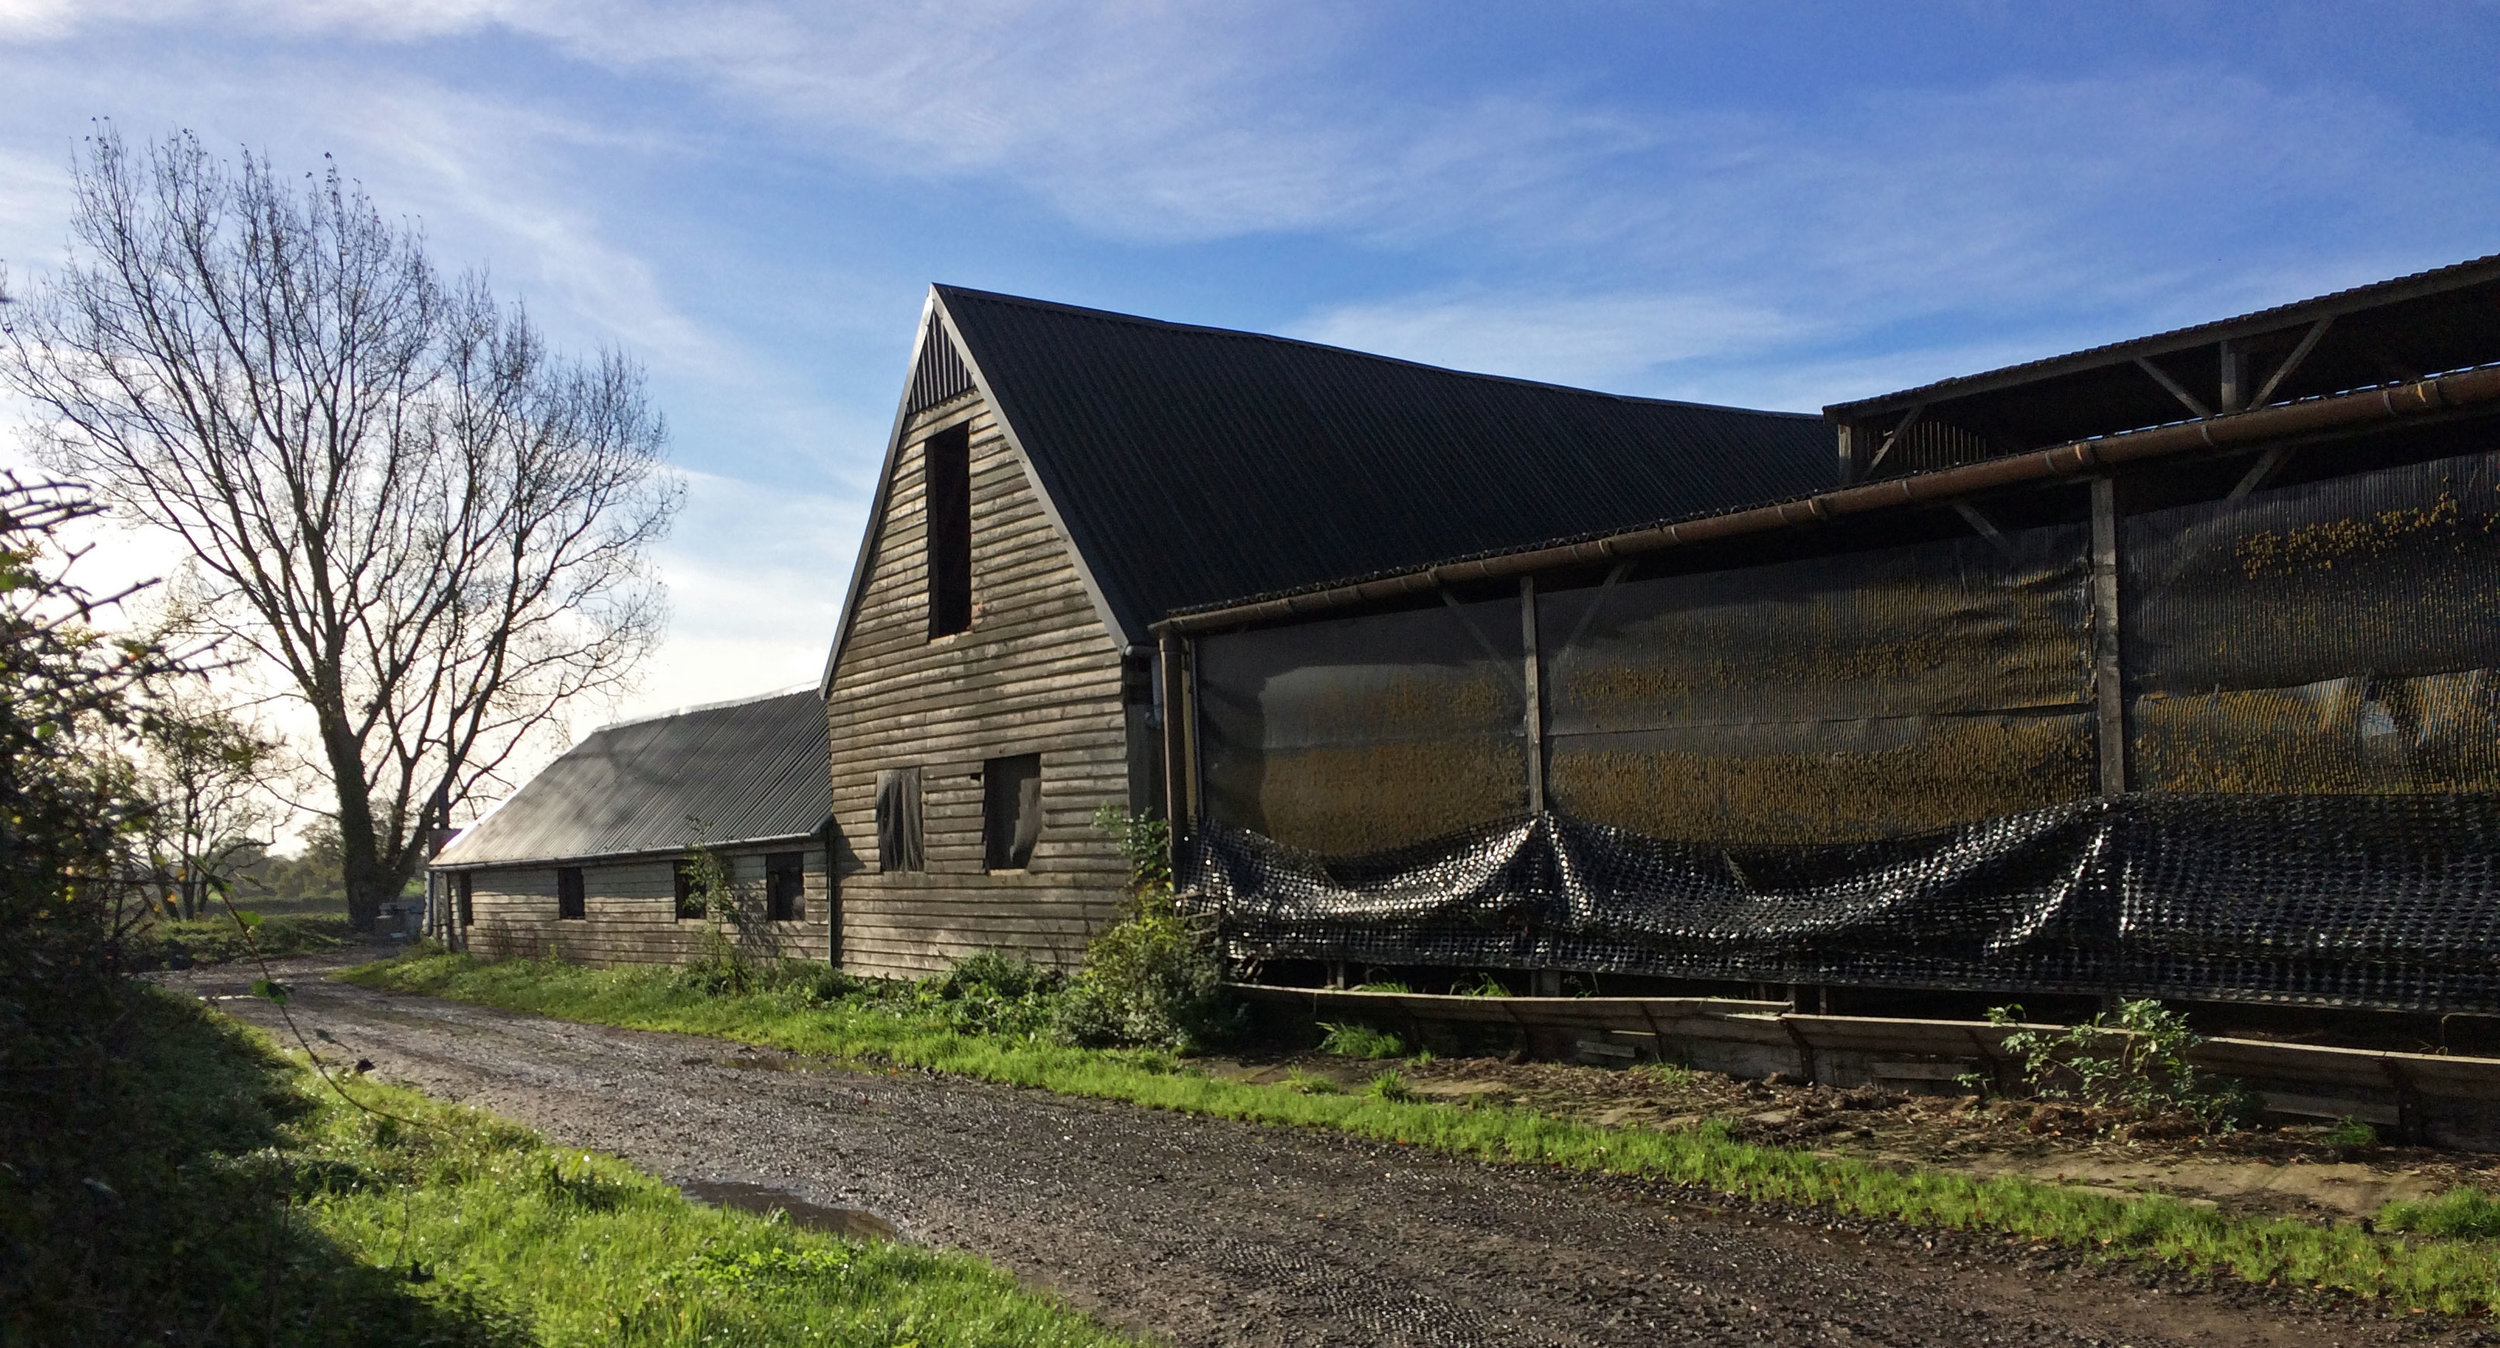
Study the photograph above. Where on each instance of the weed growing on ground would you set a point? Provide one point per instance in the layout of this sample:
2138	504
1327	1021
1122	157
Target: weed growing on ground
1350	1040
1305	1083
1391	1086
1667	1073
2133	1063
2466	1213
2436	1273
2351	1134
1483	985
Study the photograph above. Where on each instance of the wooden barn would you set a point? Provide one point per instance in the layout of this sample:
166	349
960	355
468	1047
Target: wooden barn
1058	478
587	861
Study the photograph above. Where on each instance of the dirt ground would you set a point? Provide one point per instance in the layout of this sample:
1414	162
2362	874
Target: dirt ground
1200	1231
2273	1171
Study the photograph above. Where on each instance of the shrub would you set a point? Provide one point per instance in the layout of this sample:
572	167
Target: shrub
995	994
1153	978
2134	1062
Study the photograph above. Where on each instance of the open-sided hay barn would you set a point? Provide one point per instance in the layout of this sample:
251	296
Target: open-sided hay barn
1058	478
2170	667
587	860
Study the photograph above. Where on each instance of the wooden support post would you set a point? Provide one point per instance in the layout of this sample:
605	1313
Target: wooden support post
2108	691
2234	376
1179	736
1534	683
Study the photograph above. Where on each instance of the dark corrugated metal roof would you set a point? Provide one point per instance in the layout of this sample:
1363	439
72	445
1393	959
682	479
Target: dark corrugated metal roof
2406	327
747	771
1191	465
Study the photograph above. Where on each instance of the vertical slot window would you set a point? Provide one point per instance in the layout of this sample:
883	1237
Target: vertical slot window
946	485
689	903
467	892
1011	811
569	901
898	820
785	886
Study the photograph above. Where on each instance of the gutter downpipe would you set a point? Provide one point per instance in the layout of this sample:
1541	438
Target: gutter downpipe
2079	458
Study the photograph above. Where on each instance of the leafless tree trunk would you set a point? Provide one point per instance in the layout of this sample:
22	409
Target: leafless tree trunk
435	528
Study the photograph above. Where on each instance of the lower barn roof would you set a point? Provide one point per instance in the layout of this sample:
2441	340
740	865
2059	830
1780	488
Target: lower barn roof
733	772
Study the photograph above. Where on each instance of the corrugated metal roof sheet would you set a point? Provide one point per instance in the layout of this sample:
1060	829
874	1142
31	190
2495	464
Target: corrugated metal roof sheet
2437	281
745	770
1191	465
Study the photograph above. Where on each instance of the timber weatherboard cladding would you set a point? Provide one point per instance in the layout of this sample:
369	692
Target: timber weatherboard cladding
1037	672
630	909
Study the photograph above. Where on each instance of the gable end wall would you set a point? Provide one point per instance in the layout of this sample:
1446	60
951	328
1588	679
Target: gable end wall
1037	673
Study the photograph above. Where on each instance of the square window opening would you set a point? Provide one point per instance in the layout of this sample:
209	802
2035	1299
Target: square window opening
570	904
1011	811
785	886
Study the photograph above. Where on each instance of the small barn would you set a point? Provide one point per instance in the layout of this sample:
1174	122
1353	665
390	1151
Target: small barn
589	860
1057	479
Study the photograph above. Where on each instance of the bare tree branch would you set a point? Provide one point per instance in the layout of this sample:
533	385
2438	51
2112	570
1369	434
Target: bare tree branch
438	530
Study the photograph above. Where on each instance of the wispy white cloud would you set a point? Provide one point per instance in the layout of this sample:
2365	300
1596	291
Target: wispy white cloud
1600	341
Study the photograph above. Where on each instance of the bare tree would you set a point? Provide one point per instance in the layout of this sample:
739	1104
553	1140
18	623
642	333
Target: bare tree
436	530
200	769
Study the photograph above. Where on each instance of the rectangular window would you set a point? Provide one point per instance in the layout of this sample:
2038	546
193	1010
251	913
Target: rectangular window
689	903
946	486
1011	810
785	886
569	901
898	820
467	891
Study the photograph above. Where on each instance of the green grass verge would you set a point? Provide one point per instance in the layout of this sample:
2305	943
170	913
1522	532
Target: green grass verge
285	1214
2453	1275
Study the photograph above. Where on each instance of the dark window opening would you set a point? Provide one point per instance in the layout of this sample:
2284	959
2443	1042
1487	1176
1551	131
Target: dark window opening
1011	810
569	901
467	890
898	820
946	486
689	903
785	886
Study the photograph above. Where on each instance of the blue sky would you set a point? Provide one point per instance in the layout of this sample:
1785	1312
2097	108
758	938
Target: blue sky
1769	204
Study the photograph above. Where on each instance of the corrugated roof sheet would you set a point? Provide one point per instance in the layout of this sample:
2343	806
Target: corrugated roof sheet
746	770
1191	465
2437	281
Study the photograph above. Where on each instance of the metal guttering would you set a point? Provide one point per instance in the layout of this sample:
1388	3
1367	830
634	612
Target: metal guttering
742	772
1190	464
2466	389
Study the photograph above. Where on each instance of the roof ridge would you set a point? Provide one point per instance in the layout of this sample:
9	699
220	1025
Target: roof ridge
1239	334
722	705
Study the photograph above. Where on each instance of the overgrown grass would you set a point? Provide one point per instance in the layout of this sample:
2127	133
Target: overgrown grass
216	939
263	1208
2456	1275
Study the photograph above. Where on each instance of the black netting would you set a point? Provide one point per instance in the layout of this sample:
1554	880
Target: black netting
1359	734
2353	900
1828	699
2339	636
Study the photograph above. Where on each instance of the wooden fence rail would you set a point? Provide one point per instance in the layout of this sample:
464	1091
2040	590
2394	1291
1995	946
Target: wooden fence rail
2435	1098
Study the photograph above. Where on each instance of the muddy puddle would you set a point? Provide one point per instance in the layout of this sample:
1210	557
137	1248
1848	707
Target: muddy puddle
763	1200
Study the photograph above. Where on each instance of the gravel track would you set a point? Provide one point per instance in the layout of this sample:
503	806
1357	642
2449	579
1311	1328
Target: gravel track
1202	1231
